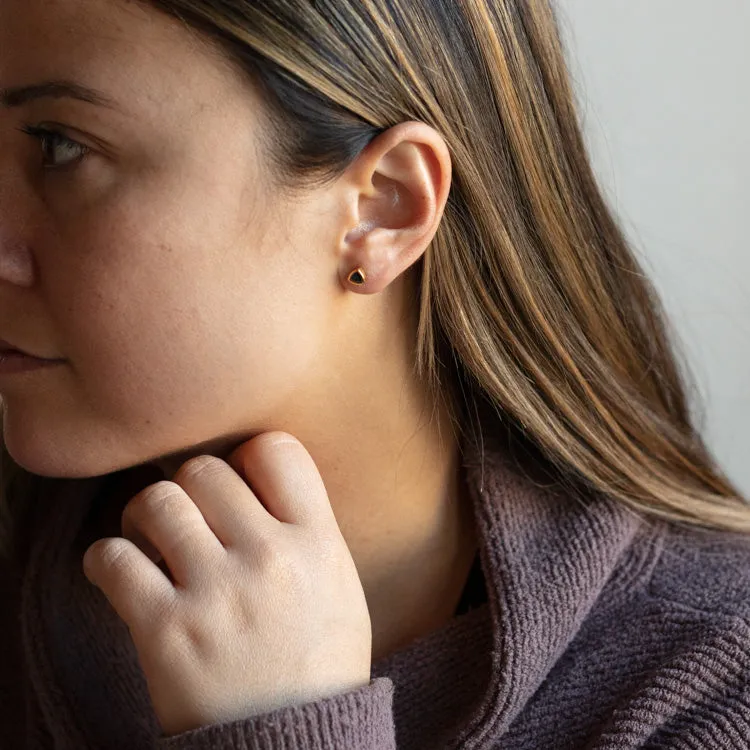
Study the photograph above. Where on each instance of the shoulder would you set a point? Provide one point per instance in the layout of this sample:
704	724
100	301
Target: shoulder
687	681
704	570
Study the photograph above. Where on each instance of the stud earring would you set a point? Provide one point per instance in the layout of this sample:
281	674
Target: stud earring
357	276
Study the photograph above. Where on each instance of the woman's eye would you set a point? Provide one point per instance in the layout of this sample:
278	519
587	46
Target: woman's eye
53	140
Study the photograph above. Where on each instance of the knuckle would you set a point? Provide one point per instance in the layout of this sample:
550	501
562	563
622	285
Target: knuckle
197	465
263	549
160	497
329	548
111	554
278	437
274	560
267	441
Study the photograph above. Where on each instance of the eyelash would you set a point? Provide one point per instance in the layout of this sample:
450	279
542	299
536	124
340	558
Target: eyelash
47	135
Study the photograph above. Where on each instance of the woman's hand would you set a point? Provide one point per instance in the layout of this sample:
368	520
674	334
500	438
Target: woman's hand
265	608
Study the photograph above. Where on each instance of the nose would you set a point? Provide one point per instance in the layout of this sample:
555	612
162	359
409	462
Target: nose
16	260
16	264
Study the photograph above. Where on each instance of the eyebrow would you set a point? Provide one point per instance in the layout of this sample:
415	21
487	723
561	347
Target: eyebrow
20	95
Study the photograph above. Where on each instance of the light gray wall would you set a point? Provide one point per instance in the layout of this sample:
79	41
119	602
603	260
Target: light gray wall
664	90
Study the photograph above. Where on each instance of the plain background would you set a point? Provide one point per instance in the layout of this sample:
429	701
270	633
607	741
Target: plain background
663	88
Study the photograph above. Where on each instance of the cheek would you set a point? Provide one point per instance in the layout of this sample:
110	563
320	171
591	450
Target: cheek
147	380
169	349
176	332
161	343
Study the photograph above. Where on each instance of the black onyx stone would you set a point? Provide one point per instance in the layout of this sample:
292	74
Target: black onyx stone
356	277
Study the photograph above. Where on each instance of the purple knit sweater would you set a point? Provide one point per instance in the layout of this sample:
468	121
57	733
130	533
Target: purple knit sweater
600	631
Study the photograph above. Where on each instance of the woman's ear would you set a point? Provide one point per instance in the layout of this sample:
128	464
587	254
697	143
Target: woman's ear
395	194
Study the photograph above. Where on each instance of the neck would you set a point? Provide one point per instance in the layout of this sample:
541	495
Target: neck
394	481
406	518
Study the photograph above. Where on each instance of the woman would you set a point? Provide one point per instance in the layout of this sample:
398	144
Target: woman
359	425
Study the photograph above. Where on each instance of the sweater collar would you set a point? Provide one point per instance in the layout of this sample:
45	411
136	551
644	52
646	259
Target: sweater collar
550	551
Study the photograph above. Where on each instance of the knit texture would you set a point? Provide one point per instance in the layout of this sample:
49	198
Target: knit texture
589	628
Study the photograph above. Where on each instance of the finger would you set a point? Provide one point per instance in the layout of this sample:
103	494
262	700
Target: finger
284	476
137	590
143	544
165	516
228	505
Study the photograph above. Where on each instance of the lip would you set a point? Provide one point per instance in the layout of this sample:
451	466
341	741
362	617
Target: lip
7	348
14	361
6	345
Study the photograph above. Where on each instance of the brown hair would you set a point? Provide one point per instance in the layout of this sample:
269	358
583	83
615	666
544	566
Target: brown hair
529	296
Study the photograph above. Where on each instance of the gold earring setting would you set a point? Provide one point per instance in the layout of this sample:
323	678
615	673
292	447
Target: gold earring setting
357	276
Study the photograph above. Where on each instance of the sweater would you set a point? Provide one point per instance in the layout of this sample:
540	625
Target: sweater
584	626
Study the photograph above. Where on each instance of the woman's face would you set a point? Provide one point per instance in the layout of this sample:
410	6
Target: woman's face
187	297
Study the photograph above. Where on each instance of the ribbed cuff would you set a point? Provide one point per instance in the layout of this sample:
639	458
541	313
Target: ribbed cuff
360	719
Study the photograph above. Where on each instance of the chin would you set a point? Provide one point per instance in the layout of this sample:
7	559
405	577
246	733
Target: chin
53	464
68	455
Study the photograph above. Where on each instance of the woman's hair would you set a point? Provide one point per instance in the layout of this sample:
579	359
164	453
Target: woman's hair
529	297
